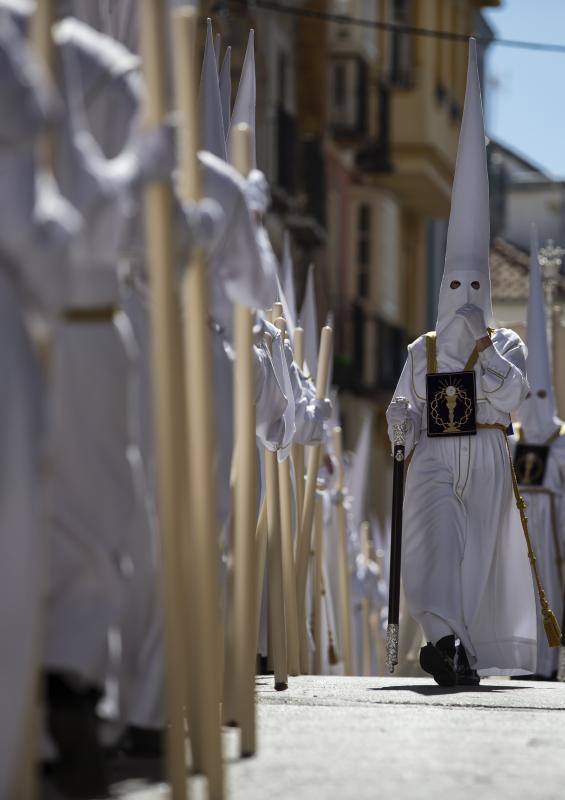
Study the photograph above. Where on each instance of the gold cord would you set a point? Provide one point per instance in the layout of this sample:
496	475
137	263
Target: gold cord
550	624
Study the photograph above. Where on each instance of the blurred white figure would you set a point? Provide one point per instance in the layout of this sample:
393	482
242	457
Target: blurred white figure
544	491
465	568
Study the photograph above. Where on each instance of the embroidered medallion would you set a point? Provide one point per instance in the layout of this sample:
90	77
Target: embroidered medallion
451	403
530	462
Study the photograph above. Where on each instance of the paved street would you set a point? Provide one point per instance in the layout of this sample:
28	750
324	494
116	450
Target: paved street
364	738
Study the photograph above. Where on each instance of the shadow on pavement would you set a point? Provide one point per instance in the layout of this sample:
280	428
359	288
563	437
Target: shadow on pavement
435	690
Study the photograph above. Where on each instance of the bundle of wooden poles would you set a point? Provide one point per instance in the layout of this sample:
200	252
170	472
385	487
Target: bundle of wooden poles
211	667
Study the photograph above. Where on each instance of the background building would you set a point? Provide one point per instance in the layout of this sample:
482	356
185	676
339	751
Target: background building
357	131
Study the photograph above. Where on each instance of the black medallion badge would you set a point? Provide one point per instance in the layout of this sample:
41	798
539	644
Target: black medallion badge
451	403
530	462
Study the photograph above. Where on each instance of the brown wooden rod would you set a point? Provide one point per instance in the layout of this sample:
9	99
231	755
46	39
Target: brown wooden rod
277	623
168	397
240	665
202	534
298	449
245	498
41	38
345	629
317	583
305	537
287	544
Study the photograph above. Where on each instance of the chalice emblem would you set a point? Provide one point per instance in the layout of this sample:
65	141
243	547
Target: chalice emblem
452	398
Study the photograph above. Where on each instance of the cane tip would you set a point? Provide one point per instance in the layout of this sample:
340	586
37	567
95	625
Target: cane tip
280	686
247	753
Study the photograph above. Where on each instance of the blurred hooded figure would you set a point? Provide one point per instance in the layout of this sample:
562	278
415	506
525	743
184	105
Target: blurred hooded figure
539	458
465	567
36	229
96	504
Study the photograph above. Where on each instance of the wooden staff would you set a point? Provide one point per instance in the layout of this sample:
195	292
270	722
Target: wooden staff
318	583
298	449
239	698
289	575
261	535
42	22
202	565
277	628
304	540
343	560
168	396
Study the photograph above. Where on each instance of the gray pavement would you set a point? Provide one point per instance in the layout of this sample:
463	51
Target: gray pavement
363	738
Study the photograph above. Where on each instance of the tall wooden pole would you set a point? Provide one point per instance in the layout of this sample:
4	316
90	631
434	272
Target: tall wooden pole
289	575
298	449
305	538
343	560
277	625
317	582
168	403
202	565
240	686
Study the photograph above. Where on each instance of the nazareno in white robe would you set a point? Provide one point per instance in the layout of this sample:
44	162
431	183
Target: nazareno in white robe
464	562
546	528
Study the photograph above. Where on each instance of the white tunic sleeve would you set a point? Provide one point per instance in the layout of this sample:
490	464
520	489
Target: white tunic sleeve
503	371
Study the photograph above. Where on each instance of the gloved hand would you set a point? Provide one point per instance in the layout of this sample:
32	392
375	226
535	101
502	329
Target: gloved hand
474	320
397	412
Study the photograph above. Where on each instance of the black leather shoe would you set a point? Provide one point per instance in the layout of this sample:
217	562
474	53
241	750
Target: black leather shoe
466	676
438	660
80	769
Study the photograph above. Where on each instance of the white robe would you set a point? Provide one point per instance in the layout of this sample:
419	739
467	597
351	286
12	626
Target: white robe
464	562
541	524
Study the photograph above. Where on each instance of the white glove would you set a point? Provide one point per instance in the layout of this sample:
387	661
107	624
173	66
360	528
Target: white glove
474	320
397	412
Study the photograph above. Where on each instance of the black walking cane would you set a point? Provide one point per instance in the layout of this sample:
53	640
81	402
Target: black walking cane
398	440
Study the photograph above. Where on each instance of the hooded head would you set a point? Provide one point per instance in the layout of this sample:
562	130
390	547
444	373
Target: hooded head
466	276
212	136
538	413
244	106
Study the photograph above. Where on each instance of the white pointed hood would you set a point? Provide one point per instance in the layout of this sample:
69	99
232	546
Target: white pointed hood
212	136
244	106
538	413
309	321
225	90
217	49
468	235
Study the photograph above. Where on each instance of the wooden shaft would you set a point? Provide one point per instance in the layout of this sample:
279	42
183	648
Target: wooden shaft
42	22
287	543
366	629
202	577
298	449
366	540
168	406
239	707
276	312
277	625
317	583
304	541
274	566
346	634
261	535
